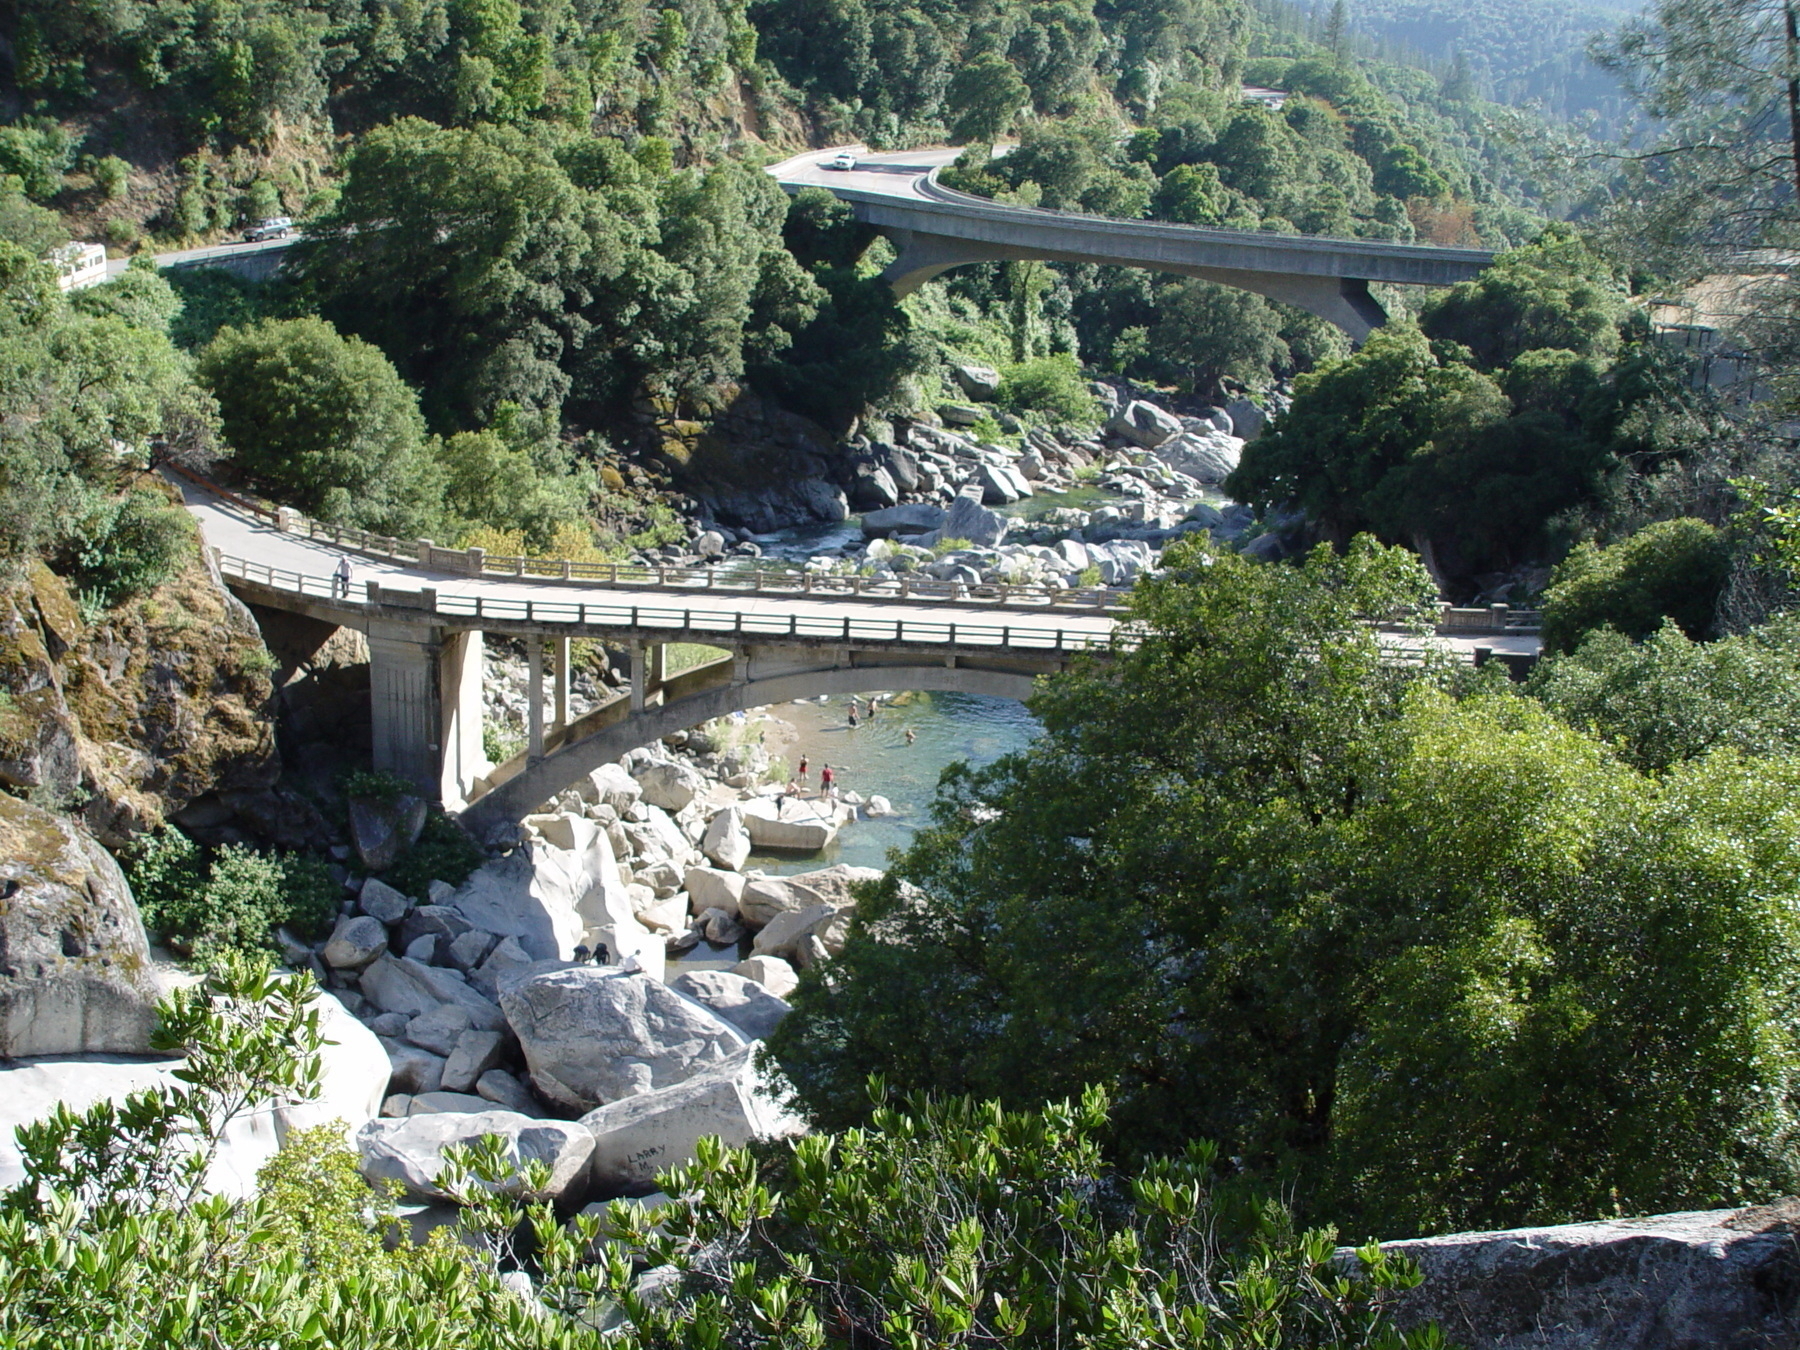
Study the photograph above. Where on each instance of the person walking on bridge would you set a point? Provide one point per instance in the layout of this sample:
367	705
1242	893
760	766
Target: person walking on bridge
340	580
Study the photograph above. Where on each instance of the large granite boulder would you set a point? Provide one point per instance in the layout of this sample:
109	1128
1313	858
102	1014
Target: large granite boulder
551	899
1716	1278
382	831
713	888
1143	424
978	382
593	1035
763	898
786	933
611	785
968	519
726	841
355	942
737	999
670	784
353	1080
1205	456
795	826
771	972
411	1151
74	963
636	1138
1001	484
912	518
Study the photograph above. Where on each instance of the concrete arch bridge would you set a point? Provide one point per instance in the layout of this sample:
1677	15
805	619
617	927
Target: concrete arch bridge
426	611
936	228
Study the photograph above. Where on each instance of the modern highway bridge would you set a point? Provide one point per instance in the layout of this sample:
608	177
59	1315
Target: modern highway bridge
936	228
785	636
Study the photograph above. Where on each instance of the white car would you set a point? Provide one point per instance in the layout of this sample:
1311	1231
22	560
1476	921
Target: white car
275	227
843	159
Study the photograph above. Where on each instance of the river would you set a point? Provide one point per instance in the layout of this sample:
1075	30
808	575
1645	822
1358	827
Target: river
874	759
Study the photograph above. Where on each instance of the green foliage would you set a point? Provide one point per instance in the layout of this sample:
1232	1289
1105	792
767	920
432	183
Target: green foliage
1554	293
128	545
140	296
954	1223
512	476
86	391
37	152
1052	386
211	907
109	1241
34	228
323	422
1671	570
1668	699
983	98
444	852
1265	909
377	785
500	265
213	299
1208	333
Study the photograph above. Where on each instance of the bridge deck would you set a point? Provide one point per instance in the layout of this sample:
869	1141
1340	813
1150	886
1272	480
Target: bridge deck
279	565
282	563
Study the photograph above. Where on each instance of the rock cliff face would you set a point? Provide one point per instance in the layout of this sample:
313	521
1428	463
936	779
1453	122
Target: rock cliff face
137	714
74	965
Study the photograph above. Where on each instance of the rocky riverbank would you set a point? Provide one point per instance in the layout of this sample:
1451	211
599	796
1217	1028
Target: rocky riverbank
935	498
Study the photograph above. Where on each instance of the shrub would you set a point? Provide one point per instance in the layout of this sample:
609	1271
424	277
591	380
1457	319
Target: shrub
1673	569
375	784
1051	385
112	176
129	545
208	908
443	853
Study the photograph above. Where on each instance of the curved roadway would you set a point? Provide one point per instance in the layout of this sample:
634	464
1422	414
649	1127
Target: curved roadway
937	228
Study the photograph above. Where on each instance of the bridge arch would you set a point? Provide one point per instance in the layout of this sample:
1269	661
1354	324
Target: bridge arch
611	737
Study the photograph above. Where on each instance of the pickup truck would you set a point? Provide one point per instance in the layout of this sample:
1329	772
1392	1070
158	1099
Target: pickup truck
275	227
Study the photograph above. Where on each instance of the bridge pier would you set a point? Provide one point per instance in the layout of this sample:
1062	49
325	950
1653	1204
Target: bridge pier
462	671
404	719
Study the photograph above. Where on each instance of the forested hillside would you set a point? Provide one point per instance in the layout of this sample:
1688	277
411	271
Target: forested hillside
1516	52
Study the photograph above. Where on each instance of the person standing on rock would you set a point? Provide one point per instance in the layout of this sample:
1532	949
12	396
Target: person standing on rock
828	783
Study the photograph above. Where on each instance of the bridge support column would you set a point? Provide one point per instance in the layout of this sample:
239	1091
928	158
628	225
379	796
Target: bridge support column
534	696
462	669
403	703
561	678
649	664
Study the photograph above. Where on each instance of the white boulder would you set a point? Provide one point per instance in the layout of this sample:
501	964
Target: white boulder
771	972
355	942
593	1035
726	841
737	999
670	784
411	1151
643	1135
713	888
792	825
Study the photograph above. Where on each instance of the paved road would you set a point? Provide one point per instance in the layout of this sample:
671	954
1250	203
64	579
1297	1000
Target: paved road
198	257
240	535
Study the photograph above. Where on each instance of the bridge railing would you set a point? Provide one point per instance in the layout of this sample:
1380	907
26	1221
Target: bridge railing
476	562
728	624
935	191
